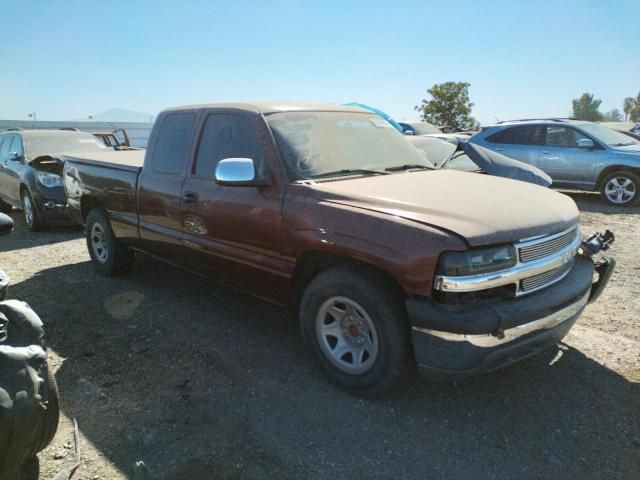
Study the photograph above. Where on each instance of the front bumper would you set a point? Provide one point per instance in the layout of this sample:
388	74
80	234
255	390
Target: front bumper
51	204
471	339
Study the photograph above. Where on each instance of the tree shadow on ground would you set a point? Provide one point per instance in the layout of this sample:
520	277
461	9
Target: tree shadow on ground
200	381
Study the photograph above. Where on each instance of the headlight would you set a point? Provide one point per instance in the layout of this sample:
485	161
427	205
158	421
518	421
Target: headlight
473	262
50	180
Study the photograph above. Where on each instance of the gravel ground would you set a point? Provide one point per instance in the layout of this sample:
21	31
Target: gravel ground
200	382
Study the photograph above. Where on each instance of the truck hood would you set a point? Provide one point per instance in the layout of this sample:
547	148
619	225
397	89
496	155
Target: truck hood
483	209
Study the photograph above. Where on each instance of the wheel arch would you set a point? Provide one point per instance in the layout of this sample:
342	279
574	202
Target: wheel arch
615	168
88	203
312	263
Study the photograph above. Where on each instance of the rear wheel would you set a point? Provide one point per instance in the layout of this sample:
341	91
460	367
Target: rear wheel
110	257
620	188
31	216
354	322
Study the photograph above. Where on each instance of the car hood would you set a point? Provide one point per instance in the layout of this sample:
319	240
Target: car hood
484	210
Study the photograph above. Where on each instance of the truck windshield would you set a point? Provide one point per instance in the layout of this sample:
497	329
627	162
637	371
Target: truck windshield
37	146
315	144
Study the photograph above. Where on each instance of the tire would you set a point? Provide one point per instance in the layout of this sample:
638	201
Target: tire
53	409
5	207
354	322
621	188
109	256
31	216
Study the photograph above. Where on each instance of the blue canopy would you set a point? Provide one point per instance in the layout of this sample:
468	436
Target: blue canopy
502	166
379	112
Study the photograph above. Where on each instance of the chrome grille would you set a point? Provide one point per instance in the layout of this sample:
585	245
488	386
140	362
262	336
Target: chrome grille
528	285
544	247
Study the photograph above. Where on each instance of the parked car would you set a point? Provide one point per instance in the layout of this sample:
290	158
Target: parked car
331	211
467	157
418	128
575	154
118	139
31	176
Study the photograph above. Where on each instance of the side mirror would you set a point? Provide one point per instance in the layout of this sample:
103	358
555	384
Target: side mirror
237	172
585	143
6	224
13	156
409	132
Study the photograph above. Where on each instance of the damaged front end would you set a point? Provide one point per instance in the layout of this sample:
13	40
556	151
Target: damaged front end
551	281
592	245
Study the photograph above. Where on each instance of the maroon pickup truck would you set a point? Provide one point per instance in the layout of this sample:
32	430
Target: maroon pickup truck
326	209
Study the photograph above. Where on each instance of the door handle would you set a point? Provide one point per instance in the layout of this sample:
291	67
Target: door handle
499	149
190	199
545	153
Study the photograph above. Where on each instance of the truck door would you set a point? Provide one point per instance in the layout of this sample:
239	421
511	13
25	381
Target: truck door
160	185
233	232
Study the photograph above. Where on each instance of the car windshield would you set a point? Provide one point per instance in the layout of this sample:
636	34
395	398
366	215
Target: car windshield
608	136
37	146
314	144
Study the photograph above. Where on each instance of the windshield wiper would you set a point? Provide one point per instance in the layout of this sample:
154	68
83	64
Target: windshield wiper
349	171
408	166
622	144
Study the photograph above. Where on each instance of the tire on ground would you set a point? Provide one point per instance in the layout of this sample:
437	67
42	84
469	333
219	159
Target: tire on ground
383	303
119	258
35	223
622	175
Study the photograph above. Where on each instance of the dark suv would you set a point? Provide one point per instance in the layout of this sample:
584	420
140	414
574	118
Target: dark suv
30	173
575	154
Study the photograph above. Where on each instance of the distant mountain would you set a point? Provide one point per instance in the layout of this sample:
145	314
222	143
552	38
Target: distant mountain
122	115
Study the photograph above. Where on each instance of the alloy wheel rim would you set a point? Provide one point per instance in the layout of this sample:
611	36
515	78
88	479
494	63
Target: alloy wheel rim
98	243
346	335
620	190
27	206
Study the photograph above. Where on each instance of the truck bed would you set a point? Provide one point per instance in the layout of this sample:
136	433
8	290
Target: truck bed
130	160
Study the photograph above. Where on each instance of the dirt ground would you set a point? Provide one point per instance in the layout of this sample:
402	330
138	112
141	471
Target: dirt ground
201	382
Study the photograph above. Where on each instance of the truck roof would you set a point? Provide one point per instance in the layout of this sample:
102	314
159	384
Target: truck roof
273	107
122	160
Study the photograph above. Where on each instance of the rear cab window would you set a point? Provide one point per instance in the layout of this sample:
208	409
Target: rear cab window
172	143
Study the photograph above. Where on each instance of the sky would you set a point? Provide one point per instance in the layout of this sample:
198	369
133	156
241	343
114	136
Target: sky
69	59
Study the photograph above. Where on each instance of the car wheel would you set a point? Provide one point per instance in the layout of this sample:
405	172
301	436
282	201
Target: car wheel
5	207
354	322
620	188
31	216
109	256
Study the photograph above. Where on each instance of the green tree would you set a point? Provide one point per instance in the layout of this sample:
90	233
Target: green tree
449	105
612	116
586	108
631	108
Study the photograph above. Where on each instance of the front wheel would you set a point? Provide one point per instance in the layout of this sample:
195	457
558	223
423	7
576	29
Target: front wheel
110	257
620	188
31	215
354	322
